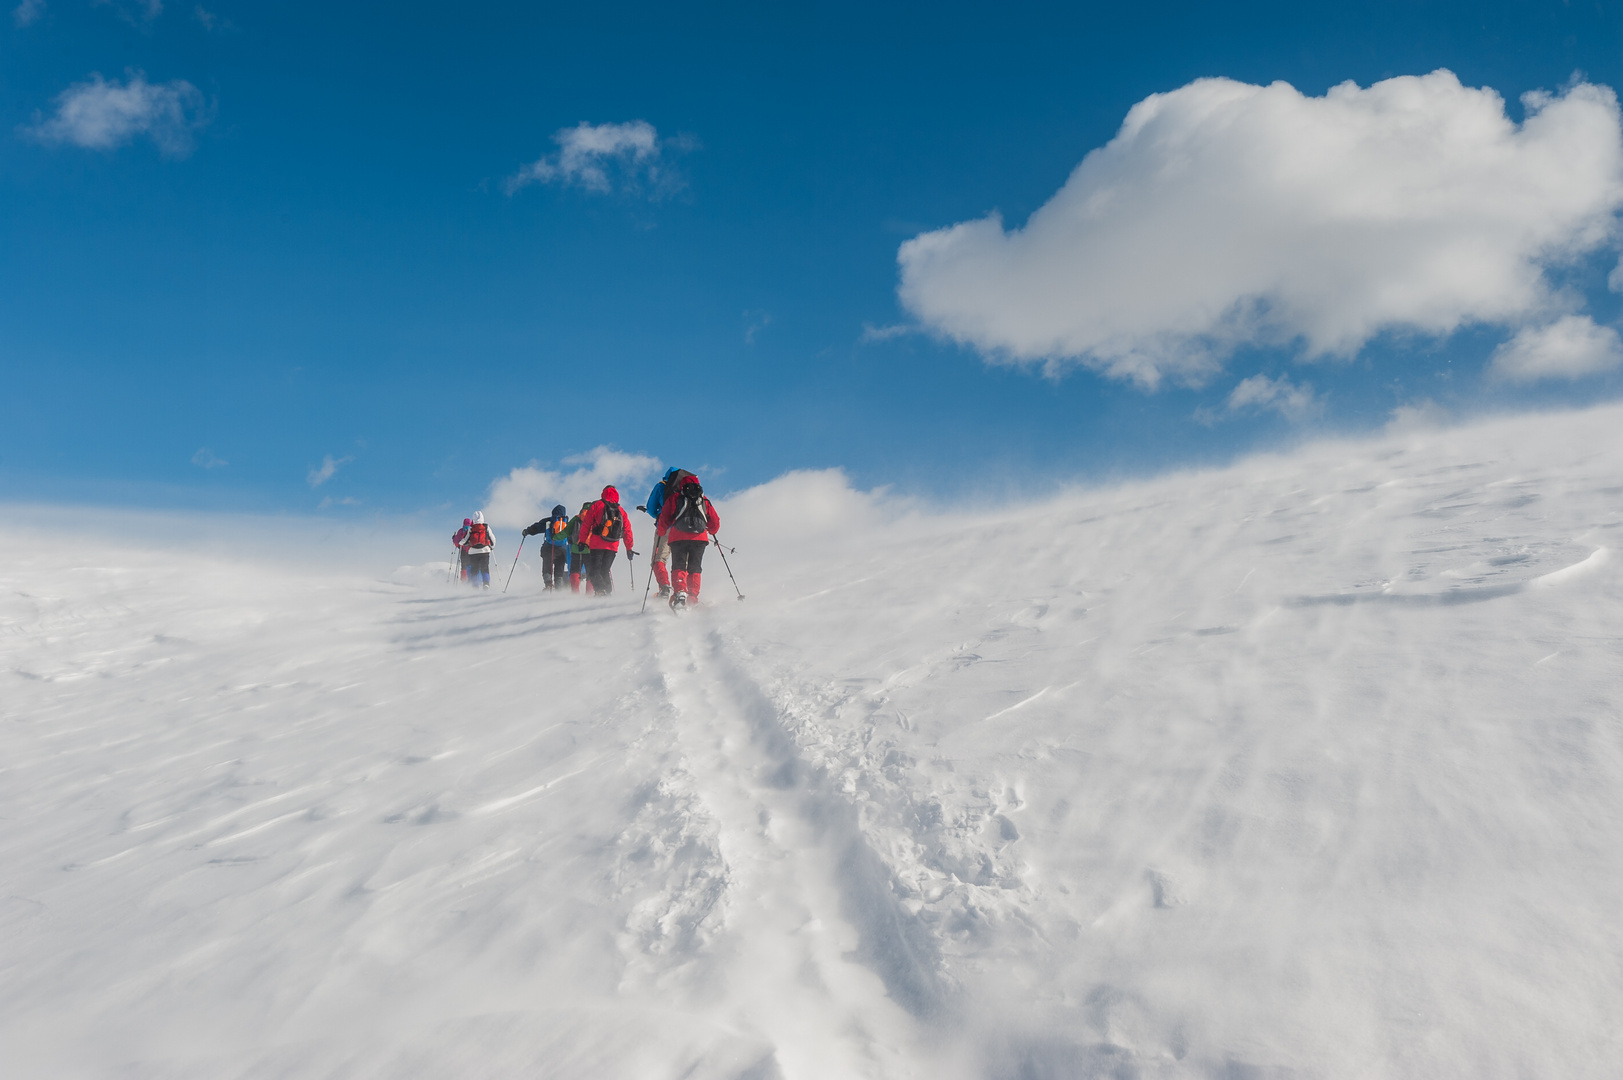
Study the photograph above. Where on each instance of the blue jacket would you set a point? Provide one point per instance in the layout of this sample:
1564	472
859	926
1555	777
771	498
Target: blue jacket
656	497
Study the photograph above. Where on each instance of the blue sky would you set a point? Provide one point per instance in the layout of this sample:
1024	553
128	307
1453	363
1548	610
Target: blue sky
310	248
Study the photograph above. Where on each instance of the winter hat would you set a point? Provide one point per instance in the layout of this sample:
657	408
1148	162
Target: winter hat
556	510
467	521
479	518
610	495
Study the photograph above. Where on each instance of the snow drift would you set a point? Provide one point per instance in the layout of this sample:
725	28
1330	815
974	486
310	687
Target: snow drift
1308	767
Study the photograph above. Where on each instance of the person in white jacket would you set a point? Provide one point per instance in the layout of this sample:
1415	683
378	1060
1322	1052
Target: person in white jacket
481	542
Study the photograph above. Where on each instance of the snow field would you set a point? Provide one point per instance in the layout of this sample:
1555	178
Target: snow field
1307	767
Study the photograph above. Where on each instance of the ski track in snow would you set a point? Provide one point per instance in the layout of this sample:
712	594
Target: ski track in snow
1308	767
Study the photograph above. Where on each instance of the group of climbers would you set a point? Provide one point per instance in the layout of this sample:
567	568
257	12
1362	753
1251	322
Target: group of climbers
584	546
474	542
585	543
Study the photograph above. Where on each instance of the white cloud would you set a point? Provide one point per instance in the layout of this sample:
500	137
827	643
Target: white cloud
1295	402
129	10
1569	348
527	493
326	470
28	12
603	157
103	115
872	333
205	459
1223	214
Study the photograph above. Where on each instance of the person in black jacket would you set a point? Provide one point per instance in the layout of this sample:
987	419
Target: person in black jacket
554	534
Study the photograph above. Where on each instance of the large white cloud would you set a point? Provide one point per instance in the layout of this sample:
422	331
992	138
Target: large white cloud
1225	214
527	493
102	115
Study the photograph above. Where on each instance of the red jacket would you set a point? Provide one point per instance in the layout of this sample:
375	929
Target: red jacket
667	515
593	517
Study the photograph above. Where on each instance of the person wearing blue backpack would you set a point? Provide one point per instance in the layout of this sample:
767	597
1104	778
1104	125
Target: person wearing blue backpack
554	534
662	546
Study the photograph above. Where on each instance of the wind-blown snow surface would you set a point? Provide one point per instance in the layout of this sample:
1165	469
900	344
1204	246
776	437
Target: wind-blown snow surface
1310	767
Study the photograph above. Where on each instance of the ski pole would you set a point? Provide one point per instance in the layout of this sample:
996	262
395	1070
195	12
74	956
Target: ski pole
723	549
516	554
646	587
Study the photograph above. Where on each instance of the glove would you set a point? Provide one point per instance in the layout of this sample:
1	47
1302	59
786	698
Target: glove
644	509
527	532
630	555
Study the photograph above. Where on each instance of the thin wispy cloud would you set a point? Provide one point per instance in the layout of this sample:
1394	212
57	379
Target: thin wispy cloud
1224	214
1571	347
101	114
133	11
754	323
28	12
1295	402
604	158
872	333
206	459
326	470
212	21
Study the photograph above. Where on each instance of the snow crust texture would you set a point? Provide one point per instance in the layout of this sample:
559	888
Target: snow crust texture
1307	767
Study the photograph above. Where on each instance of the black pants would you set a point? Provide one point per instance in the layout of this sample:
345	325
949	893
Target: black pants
479	568
553	561
687	555
600	568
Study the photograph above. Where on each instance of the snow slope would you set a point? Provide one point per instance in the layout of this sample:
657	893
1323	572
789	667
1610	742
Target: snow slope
1308	767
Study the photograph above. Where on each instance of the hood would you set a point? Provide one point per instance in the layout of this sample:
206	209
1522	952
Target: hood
467	521
670	473
585	506
479	518
558	511
611	495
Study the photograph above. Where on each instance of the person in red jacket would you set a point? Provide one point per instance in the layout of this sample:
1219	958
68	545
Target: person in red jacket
688	522
605	526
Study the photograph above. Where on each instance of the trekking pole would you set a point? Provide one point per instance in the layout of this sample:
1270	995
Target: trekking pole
516	554
647	587
723	549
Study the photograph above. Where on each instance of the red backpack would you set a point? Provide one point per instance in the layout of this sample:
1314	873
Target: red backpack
479	535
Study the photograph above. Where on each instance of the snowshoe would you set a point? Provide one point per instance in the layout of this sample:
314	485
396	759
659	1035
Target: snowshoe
679	602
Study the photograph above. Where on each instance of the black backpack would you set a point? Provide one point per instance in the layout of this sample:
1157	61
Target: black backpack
613	526
690	516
